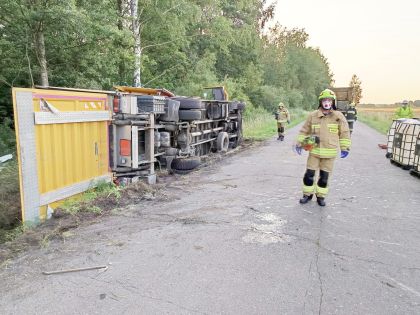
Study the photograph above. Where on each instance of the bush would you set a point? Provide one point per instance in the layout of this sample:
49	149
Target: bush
9	194
7	138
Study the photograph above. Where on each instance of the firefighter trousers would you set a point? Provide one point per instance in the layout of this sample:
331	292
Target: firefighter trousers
281	127
324	167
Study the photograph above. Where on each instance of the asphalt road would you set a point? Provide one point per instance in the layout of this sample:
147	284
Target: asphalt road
232	239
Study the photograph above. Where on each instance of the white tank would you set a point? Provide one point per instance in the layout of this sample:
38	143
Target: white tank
416	164
391	133
405	141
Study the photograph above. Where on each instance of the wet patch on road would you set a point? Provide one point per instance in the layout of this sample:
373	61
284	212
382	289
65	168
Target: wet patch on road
268	232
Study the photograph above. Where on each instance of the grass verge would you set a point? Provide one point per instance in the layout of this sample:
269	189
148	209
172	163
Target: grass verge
380	121
379	118
261	125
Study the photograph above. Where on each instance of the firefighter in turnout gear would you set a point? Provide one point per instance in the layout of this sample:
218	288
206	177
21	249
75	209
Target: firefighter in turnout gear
324	133
282	116
351	116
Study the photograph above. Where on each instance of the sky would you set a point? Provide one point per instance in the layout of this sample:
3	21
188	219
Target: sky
377	40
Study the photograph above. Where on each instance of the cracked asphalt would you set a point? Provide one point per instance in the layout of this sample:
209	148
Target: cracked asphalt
232	239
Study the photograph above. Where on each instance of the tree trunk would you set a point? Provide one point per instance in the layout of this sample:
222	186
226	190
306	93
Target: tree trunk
135	25
42	60
120	25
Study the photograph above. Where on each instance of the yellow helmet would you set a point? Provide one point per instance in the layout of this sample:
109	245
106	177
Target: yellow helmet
327	93
281	105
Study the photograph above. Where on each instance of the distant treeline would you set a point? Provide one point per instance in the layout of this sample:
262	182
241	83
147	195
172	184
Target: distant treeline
183	46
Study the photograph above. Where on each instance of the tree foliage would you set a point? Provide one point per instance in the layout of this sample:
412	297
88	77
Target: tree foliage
357	89
184	45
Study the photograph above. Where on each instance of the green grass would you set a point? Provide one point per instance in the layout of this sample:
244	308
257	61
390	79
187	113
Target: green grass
86	201
7	235
377	120
261	125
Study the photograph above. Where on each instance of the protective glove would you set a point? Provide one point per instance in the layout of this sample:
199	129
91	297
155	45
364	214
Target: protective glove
288	122
344	154
298	149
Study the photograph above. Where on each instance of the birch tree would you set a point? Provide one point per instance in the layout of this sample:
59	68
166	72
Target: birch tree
135	28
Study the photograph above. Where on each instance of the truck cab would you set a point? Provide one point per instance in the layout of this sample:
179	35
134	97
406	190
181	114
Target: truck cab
215	93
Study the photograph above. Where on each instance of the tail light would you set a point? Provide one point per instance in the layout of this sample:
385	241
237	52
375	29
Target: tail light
125	147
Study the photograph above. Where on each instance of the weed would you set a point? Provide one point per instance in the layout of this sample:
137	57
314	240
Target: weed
71	206
108	190
45	241
12	234
93	209
86	201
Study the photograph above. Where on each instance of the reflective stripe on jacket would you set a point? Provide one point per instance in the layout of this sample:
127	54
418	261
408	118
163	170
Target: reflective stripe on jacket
332	130
351	114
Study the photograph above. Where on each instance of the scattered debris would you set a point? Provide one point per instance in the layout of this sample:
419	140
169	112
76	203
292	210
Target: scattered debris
73	270
6	158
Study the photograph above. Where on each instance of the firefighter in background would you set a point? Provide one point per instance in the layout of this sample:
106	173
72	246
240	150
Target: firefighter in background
324	133
405	111
351	116
282	116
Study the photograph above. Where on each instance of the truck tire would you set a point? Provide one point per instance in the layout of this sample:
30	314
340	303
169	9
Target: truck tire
235	142
171	151
189	103
190	115
187	164
222	142
241	106
181	172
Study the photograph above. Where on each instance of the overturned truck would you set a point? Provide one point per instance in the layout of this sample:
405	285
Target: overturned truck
70	139
184	128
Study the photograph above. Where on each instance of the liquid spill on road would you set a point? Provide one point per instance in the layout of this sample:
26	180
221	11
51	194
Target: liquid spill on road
270	232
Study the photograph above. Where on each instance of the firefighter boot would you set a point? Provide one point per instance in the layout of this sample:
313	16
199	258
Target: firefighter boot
321	201
322	188
281	137
305	199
